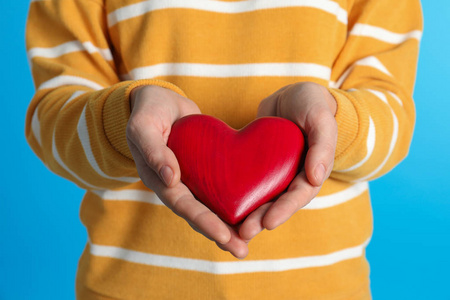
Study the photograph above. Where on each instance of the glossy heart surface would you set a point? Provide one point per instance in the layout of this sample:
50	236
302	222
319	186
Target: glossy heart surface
233	172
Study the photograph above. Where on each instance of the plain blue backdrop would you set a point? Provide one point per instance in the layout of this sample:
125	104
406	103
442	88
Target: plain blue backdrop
41	237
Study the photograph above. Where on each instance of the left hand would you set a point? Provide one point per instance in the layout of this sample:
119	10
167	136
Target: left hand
312	108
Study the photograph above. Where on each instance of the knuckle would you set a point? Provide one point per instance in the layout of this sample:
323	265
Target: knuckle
293	204
182	206
134	125
152	158
132	128
176	207
199	216
329	149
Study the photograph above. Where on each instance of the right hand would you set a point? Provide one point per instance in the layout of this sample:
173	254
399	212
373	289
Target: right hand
153	111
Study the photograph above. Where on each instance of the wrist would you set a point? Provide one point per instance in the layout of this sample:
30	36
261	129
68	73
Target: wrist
136	92
143	84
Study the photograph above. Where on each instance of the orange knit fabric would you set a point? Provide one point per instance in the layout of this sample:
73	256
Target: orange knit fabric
227	56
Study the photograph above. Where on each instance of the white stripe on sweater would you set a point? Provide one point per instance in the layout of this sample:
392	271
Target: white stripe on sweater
228	267
83	135
370	145
370	61
56	153
397	98
319	202
36	124
373	62
140	8
69	47
224	71
73	97
335	199
130	195
383	98
384	35
65	167
64	80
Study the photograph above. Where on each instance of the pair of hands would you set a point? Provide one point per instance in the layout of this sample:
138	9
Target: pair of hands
153	111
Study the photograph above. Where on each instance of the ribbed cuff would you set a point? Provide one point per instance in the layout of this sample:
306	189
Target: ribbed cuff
116	111
347	121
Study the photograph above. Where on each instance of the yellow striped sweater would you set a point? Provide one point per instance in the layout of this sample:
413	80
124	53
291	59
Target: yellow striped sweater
86	56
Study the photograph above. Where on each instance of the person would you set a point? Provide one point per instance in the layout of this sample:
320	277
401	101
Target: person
112	77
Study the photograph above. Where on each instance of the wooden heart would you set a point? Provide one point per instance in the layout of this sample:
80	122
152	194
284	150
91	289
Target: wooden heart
233	172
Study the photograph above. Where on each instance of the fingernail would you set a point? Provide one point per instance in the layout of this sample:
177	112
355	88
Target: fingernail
166	175
320	173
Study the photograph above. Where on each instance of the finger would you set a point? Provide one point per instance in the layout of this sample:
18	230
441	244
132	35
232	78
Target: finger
208	223
253	224
181	201
268	106
317	121
299	194
236	246
150	143
199	231
187	107
321	129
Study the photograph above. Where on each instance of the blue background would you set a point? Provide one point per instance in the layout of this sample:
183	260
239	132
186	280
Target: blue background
41	237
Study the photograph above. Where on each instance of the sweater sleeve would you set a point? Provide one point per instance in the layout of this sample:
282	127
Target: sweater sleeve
76	121
373	79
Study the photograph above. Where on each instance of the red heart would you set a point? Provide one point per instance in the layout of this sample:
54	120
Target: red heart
234	172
